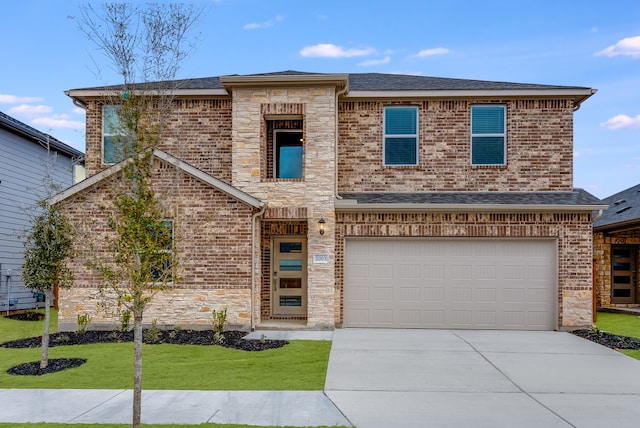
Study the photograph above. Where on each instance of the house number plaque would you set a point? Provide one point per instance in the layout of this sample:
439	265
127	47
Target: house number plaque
321	258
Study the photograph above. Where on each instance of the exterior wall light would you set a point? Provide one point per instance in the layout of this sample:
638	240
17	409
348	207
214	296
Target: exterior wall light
321	223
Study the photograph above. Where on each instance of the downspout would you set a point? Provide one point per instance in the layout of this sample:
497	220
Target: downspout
335	187
254	217
597	215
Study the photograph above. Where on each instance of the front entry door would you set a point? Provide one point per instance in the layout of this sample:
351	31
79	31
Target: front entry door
289	283
623	274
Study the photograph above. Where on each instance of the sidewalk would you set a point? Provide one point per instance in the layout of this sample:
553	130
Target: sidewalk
271	408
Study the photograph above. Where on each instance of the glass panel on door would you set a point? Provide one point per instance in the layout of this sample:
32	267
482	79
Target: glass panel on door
289	283
623	274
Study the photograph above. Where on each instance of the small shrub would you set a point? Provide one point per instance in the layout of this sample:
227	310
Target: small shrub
152	334
218	338
114	336
83	322
63	338
219	320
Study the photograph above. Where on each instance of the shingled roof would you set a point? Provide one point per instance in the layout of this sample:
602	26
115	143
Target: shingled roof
576	200
365	82
624	208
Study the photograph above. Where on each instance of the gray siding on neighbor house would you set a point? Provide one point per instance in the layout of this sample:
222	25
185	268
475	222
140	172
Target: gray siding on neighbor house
23	169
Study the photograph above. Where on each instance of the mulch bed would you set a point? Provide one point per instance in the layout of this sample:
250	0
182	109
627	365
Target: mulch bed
26	316
232	339
607	339
55	365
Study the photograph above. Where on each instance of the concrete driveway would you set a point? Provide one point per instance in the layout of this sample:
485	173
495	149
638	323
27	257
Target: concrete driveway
442	378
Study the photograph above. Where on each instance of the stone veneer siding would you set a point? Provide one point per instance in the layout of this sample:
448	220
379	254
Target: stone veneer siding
572	231
602	242
213	252
198	131
301	201
539	148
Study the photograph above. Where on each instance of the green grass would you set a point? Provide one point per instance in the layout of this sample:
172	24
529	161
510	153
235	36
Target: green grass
13	329
622	325
301	365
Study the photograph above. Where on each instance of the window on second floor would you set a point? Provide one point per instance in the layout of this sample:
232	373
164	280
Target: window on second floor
288	153
488	135
400	135
116	141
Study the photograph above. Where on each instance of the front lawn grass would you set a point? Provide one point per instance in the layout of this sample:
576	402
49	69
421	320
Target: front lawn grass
622	325
300	365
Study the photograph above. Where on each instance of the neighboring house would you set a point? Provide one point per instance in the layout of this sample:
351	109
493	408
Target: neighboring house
28	159
359	200
616	250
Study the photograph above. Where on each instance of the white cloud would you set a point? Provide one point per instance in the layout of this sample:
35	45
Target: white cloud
622	121
431	52
265	24
58	122
13	99
372	62
625	47
30	110
329	50
79	111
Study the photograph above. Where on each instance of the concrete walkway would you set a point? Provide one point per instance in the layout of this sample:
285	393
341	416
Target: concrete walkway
440	378
394	378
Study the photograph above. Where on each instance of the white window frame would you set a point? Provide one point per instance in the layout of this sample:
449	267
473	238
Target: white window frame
503	135
385	135
123	132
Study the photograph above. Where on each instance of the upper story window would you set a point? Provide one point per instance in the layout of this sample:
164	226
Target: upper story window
488	135
116	141
288	153
400	135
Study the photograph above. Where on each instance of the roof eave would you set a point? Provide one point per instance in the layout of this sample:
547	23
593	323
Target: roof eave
194	172
577	94
339	80
83	95
618	226
346	205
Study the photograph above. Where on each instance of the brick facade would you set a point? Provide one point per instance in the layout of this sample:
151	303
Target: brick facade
213	253
198	131
572	231
231	138
539	148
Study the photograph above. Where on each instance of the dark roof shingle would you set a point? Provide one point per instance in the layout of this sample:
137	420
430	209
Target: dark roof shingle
624	207
577	197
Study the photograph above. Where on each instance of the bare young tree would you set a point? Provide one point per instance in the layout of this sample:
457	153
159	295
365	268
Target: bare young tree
145	46
48	250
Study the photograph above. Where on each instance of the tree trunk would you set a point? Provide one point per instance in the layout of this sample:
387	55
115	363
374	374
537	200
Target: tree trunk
44	359
137	368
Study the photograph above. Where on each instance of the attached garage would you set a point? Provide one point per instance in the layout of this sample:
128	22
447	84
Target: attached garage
450	283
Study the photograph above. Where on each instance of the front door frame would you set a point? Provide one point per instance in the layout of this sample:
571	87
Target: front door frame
284	299
623	279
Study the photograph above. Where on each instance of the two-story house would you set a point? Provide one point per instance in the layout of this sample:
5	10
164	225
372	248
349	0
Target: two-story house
359	200
32	163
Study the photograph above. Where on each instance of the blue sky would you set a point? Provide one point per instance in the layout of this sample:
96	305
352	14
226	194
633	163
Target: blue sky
588	43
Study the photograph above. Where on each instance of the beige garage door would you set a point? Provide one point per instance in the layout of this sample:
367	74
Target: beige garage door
450	283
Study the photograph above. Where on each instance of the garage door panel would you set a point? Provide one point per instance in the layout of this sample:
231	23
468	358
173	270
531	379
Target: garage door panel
450	283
